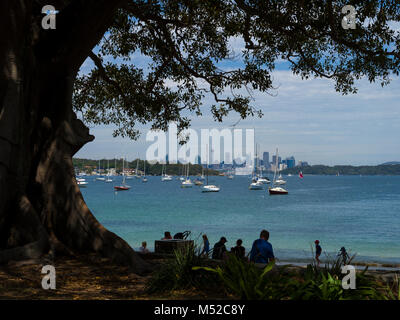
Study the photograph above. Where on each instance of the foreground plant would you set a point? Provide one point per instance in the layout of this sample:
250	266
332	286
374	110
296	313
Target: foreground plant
178	273
249	282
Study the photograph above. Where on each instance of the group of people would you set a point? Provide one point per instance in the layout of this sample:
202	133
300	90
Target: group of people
261	251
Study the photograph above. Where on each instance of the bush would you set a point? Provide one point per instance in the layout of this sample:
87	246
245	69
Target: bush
178	273
249	282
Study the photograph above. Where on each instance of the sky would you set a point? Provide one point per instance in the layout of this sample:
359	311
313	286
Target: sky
306	119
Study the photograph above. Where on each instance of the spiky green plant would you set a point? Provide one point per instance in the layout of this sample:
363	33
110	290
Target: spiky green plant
177	272
248	281
393	291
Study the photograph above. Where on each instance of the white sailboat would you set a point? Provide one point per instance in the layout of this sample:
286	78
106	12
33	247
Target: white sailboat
255	184
108	180
100	178
81	182
275	189
187	183
137	168
144	179
209	187
164	175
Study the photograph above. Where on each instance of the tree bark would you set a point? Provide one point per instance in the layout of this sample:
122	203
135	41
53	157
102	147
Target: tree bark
41	207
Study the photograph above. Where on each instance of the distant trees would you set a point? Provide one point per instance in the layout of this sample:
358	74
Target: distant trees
346	170
151	168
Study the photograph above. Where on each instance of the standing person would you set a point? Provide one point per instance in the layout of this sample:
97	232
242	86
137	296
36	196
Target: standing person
318	251
344	255
261	251
167	236
239	250
206	246
143	248
219	249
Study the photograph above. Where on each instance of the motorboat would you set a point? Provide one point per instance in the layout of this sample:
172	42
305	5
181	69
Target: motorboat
210	188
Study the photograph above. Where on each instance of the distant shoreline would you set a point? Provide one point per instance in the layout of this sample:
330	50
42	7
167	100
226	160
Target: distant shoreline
379	170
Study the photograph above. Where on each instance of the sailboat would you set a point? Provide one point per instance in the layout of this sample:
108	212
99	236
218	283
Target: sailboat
129	175
230	175
280	180
274	189
182	178
263	179
100	178
123	186
137	168
81	182
209	187
144	179
164	176
255	184
187	183
108	180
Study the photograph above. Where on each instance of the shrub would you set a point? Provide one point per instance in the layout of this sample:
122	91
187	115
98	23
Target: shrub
177	273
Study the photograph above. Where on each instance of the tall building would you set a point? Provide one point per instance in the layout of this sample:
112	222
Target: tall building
266	159
290	162
274	160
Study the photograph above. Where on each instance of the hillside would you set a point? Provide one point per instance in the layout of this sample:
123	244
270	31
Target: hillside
388	169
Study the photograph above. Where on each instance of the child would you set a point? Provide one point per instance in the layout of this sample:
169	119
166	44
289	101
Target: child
143	248
206	246
318	251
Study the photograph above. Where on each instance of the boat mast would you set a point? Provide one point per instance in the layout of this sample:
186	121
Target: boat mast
207	163
276	166
123	172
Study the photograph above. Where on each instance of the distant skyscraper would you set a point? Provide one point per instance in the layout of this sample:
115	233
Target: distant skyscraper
274	159
266	159
291	162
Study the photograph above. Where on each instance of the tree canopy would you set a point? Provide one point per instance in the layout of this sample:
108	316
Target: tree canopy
186	40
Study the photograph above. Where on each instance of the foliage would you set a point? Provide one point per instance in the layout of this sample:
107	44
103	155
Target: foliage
187	49
347	170
247	281
178	273
393	291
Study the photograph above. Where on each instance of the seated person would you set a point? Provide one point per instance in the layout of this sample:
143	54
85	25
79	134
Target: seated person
239	250
167	236
261	251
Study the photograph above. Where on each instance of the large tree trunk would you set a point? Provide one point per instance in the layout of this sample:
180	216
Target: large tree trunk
41	207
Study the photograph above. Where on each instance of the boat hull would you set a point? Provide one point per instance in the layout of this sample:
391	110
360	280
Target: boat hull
274	192
120	188
210	189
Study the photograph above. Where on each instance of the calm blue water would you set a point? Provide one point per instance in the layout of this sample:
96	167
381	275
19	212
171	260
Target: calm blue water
360	213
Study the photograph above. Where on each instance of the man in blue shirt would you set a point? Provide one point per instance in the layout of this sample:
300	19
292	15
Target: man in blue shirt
262	251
